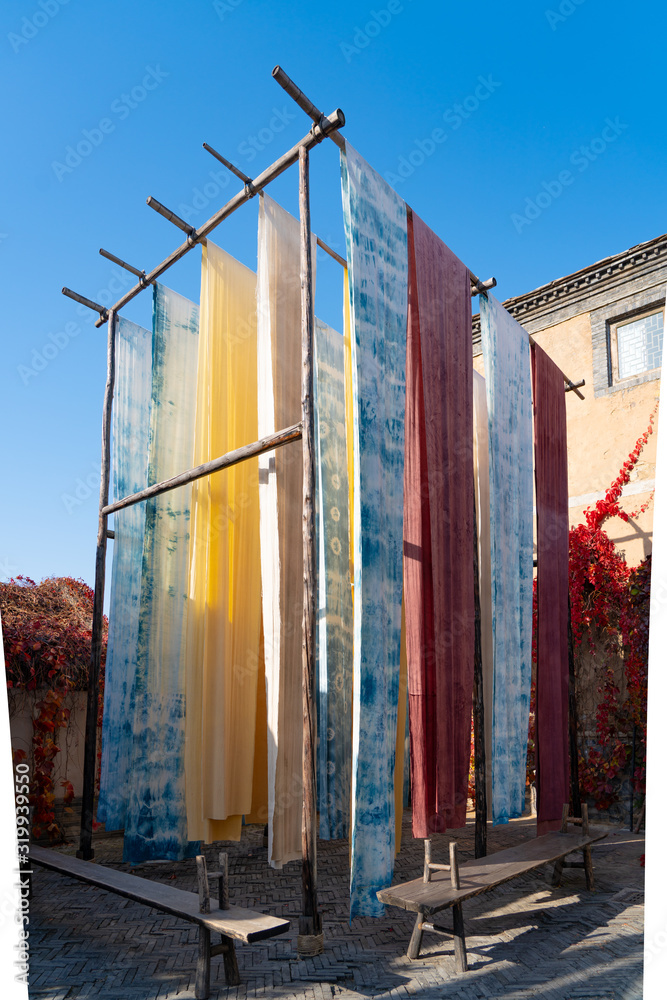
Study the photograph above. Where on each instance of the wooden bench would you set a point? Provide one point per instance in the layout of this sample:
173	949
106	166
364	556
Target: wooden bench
233	924
444	886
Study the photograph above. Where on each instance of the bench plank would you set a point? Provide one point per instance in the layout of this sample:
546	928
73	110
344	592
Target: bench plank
481	874
236	922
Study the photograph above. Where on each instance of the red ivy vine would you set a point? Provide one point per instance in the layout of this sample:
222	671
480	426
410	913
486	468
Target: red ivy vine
611	600
47	641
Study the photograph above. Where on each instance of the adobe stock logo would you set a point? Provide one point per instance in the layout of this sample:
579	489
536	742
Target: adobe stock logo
31	26
378	20
82	490
581	158
454	117
122	107
222	7
565	10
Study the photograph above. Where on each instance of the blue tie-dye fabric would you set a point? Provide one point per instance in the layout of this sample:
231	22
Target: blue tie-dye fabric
334	634
156	827
131	417
507	367
377	253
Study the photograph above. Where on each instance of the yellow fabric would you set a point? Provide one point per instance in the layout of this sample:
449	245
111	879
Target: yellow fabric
223	635
400	733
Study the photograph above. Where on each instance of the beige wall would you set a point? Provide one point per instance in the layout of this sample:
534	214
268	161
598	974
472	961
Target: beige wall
69	762
601	434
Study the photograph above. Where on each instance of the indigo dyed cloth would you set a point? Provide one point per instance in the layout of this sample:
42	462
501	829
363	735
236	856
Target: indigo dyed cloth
553	527
156	827
438	533
225	605
334	612
507	368
377	253
481	458
131	418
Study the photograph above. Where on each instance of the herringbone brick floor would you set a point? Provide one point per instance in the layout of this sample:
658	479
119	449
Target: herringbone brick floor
524	939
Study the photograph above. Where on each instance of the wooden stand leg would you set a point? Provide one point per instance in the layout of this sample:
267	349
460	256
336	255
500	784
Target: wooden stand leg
232	975
459	939
558	871
558	867
203	980
417	935
588	868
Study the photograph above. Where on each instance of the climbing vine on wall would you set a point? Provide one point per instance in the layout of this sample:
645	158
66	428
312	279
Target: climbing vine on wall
47	641
610	600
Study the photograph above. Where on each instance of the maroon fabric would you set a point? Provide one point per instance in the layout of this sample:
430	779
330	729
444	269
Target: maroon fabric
552	722
438	532
418	575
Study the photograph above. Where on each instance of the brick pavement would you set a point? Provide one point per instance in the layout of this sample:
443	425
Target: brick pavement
524	939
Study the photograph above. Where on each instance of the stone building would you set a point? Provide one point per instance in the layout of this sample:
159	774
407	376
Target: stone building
604	324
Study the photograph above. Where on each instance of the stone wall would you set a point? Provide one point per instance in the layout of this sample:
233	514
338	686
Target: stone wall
69	762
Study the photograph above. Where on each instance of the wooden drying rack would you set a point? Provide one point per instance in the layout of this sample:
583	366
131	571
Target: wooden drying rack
324	127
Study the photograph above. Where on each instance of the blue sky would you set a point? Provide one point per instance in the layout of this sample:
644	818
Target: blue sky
476	113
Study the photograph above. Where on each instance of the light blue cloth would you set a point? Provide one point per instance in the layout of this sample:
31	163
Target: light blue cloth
377	253
156	827
131	417
334	631
507	368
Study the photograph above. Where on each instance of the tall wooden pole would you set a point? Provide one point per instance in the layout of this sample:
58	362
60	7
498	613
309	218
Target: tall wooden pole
478	712
573	720
310	940
90	748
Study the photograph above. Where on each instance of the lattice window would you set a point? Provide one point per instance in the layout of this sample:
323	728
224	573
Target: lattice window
639	345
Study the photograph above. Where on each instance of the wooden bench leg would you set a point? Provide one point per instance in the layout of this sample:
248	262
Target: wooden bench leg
203	980
459	939
588	868
228	952
417	935
232	975
558	872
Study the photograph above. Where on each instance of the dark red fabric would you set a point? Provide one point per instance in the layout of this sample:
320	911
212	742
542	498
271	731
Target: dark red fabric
552	721
418	575
438	530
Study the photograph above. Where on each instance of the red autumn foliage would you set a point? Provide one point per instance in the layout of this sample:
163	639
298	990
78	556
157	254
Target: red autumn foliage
611	600
47	641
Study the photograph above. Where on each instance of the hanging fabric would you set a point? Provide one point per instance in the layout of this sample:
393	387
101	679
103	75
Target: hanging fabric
481	458
349	414
401	729
334	631
259	813
131	418
438	530
156	827
552	706
224	610
507	368
281	526
377	253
